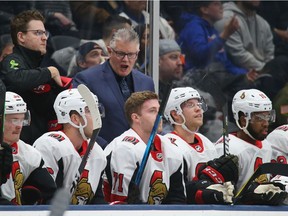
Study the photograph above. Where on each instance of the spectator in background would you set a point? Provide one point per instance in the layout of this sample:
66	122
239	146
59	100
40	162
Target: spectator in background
66	57
89	54
58	17
111	25
144	34
252	45
136	12
8	10
22	73
29	181
170	64
204	52
89	18
170	69
115	80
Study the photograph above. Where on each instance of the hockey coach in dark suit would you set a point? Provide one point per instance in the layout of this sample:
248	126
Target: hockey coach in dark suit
115	80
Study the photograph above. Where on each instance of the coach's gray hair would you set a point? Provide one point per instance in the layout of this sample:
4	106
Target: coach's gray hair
125	35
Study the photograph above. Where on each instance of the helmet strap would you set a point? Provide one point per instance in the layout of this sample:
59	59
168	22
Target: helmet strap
81	130
245	128
80	126
183	125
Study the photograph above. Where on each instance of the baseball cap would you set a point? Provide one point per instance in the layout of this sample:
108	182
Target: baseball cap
85	48
168	45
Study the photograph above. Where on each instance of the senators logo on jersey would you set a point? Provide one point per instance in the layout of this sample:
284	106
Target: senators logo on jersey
158	189
18	180
83	193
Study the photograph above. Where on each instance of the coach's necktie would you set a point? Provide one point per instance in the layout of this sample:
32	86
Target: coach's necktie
124	89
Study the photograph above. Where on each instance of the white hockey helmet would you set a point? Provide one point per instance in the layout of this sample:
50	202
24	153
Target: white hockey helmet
249	101
67	101
177	97
14	103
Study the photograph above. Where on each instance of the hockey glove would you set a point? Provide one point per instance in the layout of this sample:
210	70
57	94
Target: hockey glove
6	161
30	195
220	170
205	192
270	193
283	180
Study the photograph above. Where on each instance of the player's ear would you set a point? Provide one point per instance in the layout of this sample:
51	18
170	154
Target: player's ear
134	117
175	116
242	120
75	118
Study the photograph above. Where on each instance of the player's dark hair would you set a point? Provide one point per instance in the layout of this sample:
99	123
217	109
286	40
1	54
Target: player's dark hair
20	22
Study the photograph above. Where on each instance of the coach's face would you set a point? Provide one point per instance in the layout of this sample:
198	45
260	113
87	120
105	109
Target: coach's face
123	57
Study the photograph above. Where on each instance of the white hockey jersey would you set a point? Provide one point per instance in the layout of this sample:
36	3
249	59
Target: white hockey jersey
25	160
157	183
196	154
278	139
250	157
63	161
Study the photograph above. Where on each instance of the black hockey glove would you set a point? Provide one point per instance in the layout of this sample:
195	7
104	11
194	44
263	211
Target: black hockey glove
30	195
220	170
205	192
6	161
271	193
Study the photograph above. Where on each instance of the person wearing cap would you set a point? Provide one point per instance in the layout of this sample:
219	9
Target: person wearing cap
29	181
89	54
170	64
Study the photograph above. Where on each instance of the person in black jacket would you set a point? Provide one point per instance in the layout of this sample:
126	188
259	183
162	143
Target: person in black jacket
22	73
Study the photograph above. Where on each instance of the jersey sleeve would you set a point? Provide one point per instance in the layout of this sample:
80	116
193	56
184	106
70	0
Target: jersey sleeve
45	147
122	166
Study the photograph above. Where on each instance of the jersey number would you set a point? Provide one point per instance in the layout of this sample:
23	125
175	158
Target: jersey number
118	180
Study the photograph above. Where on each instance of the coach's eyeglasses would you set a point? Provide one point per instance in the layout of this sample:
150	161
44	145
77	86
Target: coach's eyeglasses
39	33
122	55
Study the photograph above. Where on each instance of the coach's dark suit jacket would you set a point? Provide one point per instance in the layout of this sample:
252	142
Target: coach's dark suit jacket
102	82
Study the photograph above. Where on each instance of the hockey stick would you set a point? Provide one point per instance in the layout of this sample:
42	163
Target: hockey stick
152	135
97	124
266	168
60	202
225	129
